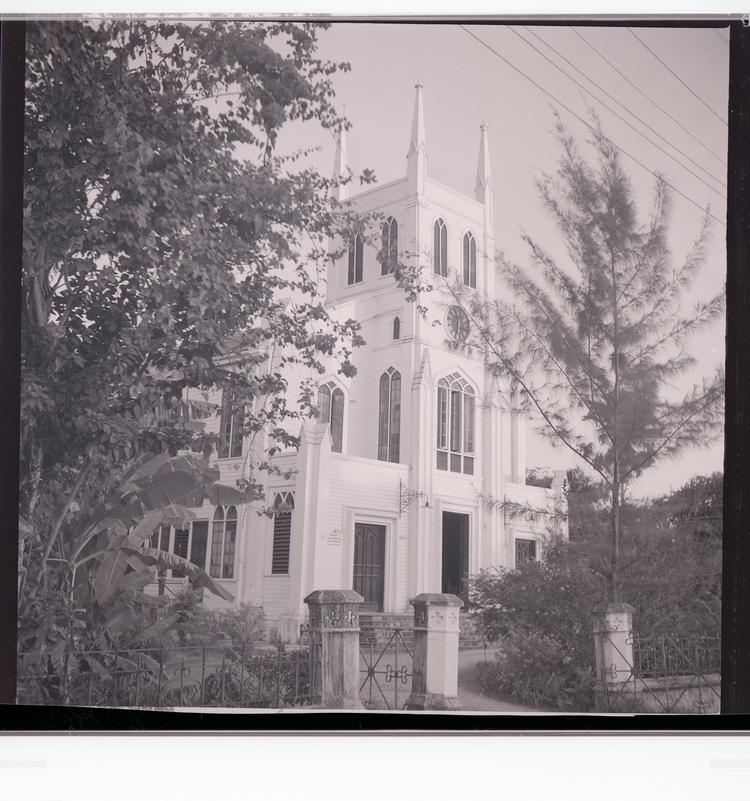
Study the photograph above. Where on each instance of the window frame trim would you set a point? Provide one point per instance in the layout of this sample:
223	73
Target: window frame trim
333	385
468	233
390	372
235	413
388	267
443	250
356	247
268	572
445	384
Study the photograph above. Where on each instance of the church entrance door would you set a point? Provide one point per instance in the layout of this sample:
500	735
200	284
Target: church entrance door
455	553
369	565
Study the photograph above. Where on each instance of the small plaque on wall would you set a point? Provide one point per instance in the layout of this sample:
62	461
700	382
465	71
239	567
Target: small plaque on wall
335	537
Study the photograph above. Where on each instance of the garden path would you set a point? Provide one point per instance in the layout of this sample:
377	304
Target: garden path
471	695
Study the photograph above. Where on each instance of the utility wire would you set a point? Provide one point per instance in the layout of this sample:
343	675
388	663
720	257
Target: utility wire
620	117
591	127
672	72
650	100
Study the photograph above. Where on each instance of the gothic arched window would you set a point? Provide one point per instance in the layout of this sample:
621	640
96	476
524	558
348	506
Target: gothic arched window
230	426
456	406
283	505
390	246
470	260
396	328
223	542
389	417
331	410
440	248
356	255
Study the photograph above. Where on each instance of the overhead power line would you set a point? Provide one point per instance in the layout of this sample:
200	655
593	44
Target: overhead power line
651	100
673	73
623	119
590	127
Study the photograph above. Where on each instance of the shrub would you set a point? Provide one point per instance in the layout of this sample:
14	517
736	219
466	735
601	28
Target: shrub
541	614
555	598
538	671
240	625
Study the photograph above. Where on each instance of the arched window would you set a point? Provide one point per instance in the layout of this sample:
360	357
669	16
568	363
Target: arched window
283	506
223	542
389	418
231	424
470	260
440	248
190	542
331	410
390	246
456	407
356	254
396	328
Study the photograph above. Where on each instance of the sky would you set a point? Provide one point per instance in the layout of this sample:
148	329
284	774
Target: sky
465	84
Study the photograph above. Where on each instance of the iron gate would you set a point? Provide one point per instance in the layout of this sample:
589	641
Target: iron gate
386	667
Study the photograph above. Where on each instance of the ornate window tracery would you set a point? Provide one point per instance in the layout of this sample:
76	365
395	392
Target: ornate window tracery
389	417
456	421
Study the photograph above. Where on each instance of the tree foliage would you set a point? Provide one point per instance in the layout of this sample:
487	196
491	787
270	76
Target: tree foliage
541	614
168	250
596	339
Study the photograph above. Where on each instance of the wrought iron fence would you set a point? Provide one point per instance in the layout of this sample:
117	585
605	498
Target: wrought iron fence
657	656
386	667
247	676
667	674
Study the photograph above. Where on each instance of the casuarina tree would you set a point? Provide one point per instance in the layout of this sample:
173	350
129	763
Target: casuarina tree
596	334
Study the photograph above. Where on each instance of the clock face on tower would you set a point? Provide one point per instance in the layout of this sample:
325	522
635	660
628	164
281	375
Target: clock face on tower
457	322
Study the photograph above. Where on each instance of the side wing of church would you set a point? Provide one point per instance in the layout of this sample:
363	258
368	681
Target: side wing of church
407	481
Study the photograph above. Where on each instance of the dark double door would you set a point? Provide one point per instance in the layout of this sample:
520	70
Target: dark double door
369	565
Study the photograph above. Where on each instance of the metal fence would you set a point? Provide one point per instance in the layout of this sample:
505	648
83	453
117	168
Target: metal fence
668	674
247	676
386	666
662	655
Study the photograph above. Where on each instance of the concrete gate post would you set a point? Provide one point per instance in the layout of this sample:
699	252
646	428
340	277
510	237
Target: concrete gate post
613	646
435	668
334	631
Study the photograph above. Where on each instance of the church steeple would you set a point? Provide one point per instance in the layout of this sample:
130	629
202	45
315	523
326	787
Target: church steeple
483	189
416	158
340	167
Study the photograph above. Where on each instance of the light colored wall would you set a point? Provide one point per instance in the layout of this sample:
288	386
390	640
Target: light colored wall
366	490
357	487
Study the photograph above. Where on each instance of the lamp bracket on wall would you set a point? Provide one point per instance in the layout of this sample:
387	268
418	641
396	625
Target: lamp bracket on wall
407	496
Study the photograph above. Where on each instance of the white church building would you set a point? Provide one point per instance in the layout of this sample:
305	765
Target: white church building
403	484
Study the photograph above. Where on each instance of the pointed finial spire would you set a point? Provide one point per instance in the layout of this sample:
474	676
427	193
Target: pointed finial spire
417	125
484	168
417	155
340	167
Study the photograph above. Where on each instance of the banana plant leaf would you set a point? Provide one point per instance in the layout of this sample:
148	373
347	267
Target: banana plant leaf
125	619
223	495
111	571
95	666
198	578
156	630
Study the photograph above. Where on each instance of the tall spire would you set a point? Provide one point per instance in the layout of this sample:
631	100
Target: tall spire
483	189
484	169
340	167
417	156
